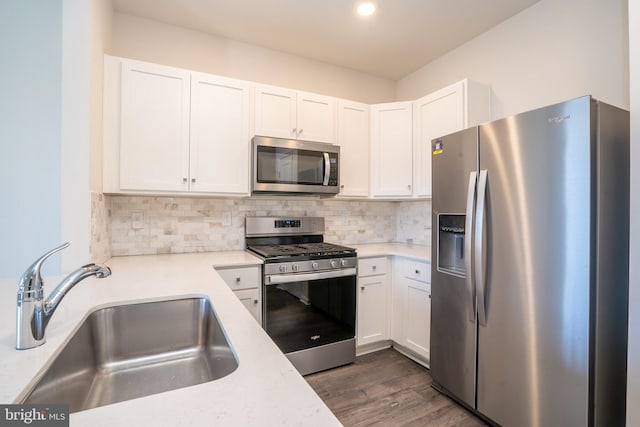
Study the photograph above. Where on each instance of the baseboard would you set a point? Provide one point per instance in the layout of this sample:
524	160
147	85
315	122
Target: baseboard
410	354
373	347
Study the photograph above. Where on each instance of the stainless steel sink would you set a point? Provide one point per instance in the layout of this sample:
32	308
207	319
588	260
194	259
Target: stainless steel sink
134	350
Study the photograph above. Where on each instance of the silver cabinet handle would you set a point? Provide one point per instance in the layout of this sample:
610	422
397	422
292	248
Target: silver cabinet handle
479	247
468	244
300	132
184	179
193	180
294	131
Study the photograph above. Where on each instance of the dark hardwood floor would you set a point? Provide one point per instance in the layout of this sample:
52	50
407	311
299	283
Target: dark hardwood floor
387	389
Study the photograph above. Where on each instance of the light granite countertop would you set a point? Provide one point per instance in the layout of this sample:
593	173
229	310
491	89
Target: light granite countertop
265	389
417	252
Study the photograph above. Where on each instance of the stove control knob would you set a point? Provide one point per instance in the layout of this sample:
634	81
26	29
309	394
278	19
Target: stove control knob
314	265
334	263
295	267
283	269
343	262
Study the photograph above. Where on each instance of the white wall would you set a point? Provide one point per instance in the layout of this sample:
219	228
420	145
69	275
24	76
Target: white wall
153	41
75	196
30	107
633	376
44	169
553	51
100	42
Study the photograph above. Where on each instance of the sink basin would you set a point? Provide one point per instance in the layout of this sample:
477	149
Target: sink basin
129	351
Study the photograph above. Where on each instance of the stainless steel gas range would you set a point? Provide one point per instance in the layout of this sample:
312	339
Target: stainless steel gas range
308	291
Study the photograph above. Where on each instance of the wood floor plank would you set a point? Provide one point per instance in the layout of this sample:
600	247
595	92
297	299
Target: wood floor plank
387	389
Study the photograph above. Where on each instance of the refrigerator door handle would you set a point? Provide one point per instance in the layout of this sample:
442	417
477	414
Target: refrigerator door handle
468	244
478	245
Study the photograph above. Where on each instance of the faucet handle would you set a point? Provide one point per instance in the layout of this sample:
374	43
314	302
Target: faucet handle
31	280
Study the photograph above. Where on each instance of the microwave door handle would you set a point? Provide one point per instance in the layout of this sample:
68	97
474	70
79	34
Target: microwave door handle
327	169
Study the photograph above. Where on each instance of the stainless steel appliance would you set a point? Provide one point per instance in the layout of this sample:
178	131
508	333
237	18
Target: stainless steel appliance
308	291
530	279
294	167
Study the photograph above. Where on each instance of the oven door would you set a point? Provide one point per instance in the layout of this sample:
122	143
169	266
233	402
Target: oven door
291	166
310	310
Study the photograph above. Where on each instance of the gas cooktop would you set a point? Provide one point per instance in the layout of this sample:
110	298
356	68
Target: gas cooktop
320	249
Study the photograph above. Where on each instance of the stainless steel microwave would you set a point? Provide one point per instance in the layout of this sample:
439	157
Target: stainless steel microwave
294	167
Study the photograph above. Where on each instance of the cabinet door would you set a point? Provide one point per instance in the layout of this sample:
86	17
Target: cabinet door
373	312
391	149
353	138
250	298
219	160
435	115
154	132
276	112
316	118
417	319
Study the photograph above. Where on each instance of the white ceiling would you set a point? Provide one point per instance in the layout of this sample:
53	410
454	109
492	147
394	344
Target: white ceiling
400	38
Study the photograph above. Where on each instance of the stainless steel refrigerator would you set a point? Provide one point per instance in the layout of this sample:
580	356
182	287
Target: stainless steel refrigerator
530	266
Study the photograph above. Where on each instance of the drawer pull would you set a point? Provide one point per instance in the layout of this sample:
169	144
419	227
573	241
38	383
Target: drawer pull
255	301
417	271
237	279
362	288
373	267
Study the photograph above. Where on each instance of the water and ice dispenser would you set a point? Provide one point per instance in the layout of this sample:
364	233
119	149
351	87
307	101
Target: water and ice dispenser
451	244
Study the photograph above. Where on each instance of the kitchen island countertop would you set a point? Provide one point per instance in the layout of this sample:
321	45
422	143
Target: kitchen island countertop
265	389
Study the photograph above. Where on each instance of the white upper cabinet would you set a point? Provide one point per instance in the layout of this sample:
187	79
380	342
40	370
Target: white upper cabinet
173	131
353	138
285	113
392	149
456	107
219	135
276	112
154	127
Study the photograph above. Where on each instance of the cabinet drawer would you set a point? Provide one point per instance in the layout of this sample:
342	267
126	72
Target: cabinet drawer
419	271
240	278
373	266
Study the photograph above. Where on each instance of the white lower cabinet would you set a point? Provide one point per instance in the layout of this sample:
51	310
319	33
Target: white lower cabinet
373	301
245	283
412	308
394	306
250	298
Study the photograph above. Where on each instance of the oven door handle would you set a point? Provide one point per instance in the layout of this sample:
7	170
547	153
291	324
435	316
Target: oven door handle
303	277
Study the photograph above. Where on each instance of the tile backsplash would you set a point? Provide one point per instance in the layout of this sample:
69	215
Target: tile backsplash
152	225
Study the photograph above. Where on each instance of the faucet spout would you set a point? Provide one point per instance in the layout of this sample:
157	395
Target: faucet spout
33	311
43	312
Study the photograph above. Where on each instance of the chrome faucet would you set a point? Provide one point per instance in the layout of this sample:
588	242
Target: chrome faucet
33	311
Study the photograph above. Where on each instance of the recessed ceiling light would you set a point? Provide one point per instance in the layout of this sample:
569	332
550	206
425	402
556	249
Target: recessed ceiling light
366	8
